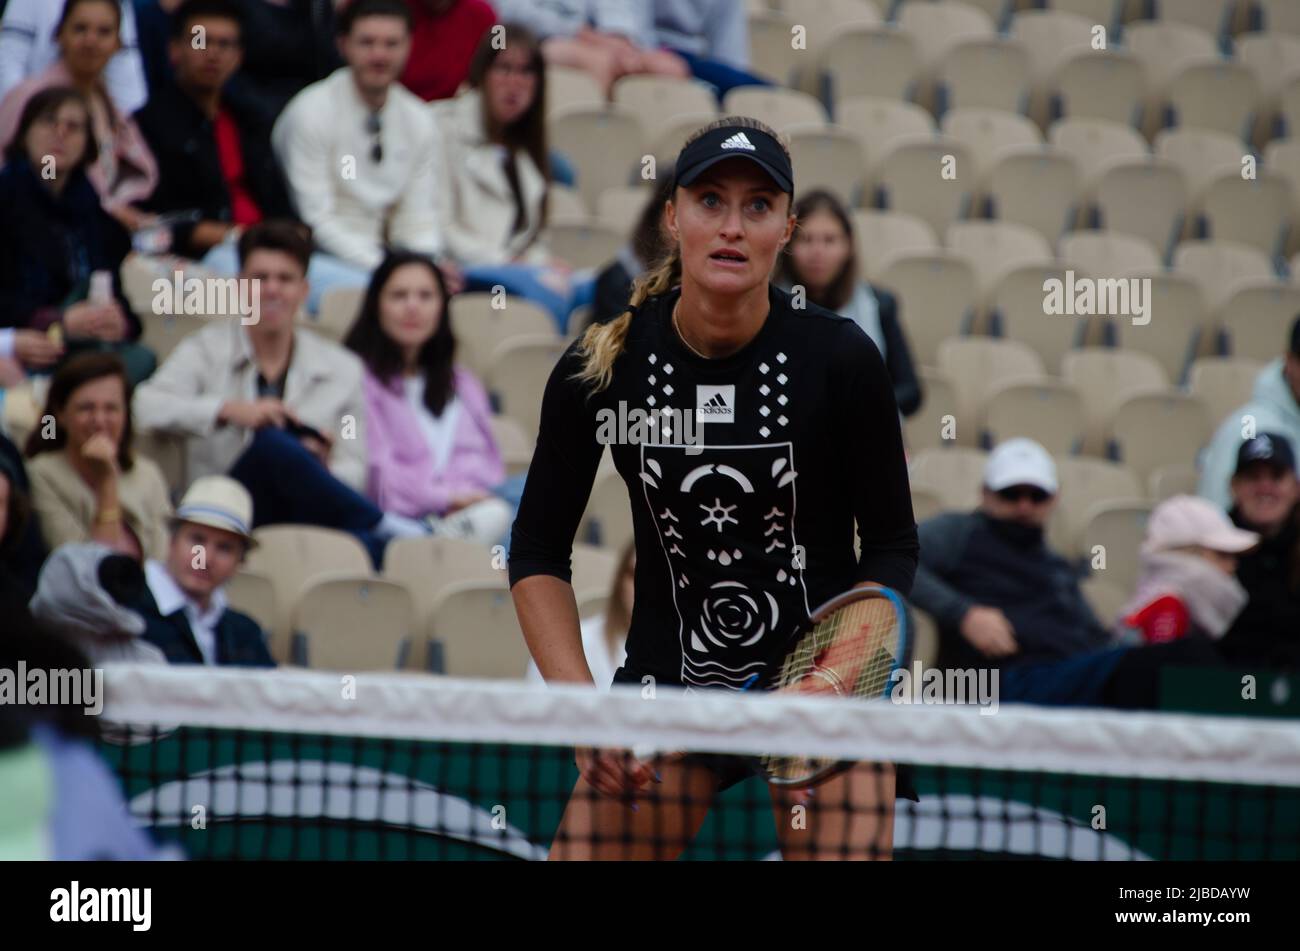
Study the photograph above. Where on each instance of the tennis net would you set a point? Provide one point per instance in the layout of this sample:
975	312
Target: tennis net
286	764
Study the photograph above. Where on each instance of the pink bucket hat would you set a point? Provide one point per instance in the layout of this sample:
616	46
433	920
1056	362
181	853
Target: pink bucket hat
1186	520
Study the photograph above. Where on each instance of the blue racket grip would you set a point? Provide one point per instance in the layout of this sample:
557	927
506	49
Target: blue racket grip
753	679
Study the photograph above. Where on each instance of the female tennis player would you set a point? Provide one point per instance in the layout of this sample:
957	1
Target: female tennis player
775	428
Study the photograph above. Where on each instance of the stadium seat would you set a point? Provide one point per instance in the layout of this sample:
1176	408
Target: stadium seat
591	603
474	632
1289	104
1176	478
936	296
1095	145
1180	322
339	309
1214	95
895	66
1282	158
352	623
976	365
605	145
1273	58
881	236
517	373
582	242
565	202
911	177
1104	378
1097	84
988	133
1223	383
1212	16
1105	12
620	208
1143	197
1050	36
1165	49
1085	482
937	27
1107	253
607	522
168	450
657	99
594	568
292	556
777	107
771	52
567	87
1218	265
1036	186
674	134
925	428
1047	411
954	474
1106	598
994	249
163	333
513	442
879	123
828	157
926	503
1150	430
1117	528
1280	16
985	73
253	593
481	328
428	566
925	636
1257	318
137	276
1016	306
1254	211
1202	154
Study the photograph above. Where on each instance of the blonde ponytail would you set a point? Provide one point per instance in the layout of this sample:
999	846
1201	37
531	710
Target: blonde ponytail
602	344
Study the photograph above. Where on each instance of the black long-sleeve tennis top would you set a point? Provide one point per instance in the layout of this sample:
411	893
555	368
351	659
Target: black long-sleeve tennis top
740	535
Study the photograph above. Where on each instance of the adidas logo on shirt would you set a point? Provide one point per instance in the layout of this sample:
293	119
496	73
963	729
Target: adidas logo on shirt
739	141
715	404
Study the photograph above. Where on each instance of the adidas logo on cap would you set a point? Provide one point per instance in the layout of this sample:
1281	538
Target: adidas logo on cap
739	141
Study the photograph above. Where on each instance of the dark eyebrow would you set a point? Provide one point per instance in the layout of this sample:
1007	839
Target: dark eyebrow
767	188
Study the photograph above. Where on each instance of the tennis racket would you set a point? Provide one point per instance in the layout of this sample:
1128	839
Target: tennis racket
849	647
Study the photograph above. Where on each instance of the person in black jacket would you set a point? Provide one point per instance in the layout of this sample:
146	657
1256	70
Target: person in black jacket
288	45
21	549
823	259
646	248
212	146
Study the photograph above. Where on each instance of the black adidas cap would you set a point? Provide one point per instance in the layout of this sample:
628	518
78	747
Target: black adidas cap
728	142
1266	447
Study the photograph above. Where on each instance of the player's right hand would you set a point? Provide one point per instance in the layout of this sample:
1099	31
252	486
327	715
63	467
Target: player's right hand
989	631
613	772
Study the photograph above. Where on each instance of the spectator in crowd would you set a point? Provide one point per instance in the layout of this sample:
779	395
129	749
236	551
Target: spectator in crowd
186	613
495	174
122	169
153	32
288	45
431	450
28	46
1274	408
359	150
87	483
1266	499
823	259
47	279
274	405
647	247
1187	585
444	36
214	152
16	575
711	35
606	38
604	636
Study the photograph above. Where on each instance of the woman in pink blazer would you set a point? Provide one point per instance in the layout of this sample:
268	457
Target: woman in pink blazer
428	432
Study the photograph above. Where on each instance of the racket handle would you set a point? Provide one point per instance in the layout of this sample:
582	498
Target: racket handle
753	679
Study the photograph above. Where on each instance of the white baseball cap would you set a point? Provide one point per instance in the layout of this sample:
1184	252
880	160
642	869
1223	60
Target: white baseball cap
1020	462
1186	520
219	502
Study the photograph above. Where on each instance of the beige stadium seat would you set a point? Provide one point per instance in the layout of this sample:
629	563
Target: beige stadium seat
253	593
925	637
926	503
1036	186
674	134
517	373
1097	84
985	73
605	145
594	568
620	208
1282	157
137	276
428	566
294	555
1150	430
1107	253
1095	144
1114	531
1217	266
1253	212
1212	16
880	123
771	50
1280	16
895	59
1051	36
352	623
881	236
481	328
1085	481
1288	106
1180	322
988	134
926	428
474	632
937	27
607	522
582	242
911	178
1017	307
1165	49
828	157
824	20
656	99
1223	383
591	603
1215	95
514	444
936	298
339	309
163	333
565	202
1273	58
977	365
777	107
168	450
567	87
1177	478
994	249
1046	411
1146	198
1104	378
1202	154
1106	598
954	474
1258	316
